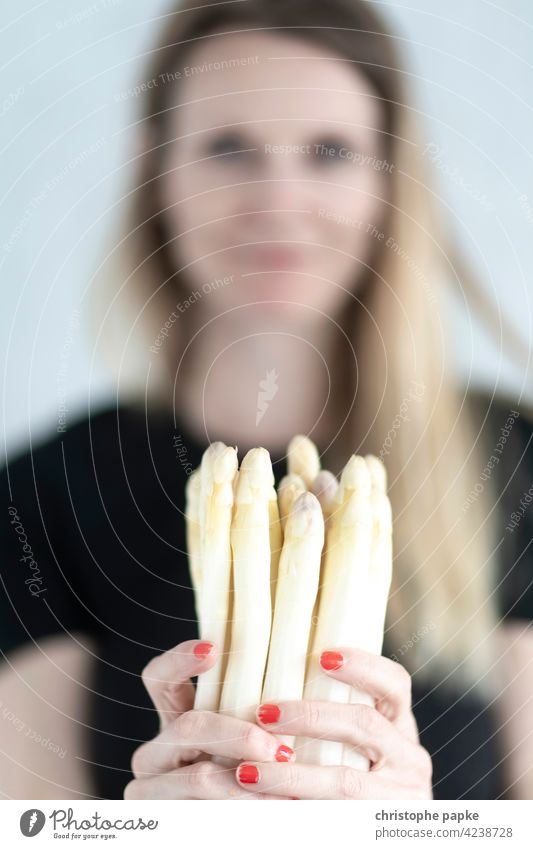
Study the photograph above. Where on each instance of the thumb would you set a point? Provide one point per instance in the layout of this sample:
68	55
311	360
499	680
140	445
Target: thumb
167	677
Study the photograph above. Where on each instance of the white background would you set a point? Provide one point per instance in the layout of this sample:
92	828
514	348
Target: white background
63	62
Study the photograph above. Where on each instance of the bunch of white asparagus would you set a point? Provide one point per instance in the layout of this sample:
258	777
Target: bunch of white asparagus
281	577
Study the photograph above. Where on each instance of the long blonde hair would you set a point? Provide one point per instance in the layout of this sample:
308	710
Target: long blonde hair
407	409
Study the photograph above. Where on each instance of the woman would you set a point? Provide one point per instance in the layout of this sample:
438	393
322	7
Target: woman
290	270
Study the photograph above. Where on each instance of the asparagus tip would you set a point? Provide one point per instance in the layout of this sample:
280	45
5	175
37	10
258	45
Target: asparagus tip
255	474
378	472
225	465
305	517
303	458
355	476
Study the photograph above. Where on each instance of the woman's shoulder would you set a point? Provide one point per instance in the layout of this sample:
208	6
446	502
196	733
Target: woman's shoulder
94	428
505	428
63	475
79	511
507	455
107	465
105	442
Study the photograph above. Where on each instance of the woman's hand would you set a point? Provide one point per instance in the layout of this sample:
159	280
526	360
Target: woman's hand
175	764
386	734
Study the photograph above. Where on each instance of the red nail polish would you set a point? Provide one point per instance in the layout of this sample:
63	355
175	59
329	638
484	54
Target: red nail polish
296	797
202	650
331	660
284	754
248	774
268	713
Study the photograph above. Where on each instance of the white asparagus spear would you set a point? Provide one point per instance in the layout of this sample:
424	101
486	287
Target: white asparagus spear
217	471
252	610
229	763
192	530
378	473
346	565
289	488
303	459
381	557
276	544
276	541
376	595
380	572
298	576
325	487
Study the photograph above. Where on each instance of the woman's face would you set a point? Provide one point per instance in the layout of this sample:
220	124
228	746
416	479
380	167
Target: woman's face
273	178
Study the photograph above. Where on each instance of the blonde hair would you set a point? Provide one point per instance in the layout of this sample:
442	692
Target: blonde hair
407	408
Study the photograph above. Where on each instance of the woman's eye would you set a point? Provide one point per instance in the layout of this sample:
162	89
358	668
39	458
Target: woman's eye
229	144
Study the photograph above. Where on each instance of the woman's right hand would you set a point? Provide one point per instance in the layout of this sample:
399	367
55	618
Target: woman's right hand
176	763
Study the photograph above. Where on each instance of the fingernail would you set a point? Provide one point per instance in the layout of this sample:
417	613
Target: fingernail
284	754
296	797
202	650
268	713
248	774
331	660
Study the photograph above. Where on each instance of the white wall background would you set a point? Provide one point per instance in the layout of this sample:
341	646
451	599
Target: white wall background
65	137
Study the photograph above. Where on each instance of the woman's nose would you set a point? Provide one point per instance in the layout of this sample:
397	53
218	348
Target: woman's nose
282	183
280	193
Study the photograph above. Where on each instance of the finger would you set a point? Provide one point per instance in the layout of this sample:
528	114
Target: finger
204	780
384	679
167	677
306	781
197	732
360	726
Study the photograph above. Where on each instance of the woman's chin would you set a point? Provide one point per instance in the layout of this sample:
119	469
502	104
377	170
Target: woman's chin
278	314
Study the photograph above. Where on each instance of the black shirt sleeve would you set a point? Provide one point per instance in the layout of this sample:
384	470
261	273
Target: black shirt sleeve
39	592
506	446
515	510
92	535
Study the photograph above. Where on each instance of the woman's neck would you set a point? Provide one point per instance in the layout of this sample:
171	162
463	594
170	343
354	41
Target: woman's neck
259	388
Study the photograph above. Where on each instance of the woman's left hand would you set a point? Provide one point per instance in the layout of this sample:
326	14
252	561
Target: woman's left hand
387	734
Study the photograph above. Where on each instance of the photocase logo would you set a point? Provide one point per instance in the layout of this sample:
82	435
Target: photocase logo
31	822
267	389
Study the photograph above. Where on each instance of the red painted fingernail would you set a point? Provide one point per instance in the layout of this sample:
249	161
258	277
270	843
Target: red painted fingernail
268	713
284	754
331	660
296	797
248	774
202	650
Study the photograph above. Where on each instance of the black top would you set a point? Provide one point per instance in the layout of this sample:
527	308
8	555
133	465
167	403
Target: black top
93	536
